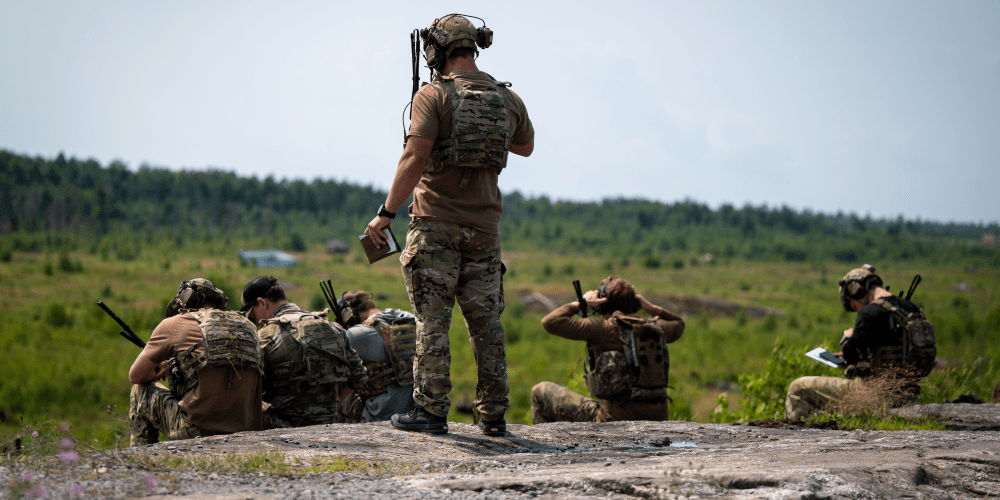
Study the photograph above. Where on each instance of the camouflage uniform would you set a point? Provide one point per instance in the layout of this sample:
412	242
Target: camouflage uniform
810	394
306	403
443	262
153	407
552	402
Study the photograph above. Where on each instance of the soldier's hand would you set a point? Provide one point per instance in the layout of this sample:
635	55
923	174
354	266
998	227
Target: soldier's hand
374	230
848	332
592	299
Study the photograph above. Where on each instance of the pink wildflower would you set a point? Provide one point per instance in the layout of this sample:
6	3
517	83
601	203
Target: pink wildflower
68	456
67	443
77	489
39	492
150	482
34	433
26	476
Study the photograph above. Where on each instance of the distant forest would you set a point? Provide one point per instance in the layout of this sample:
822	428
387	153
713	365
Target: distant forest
66	204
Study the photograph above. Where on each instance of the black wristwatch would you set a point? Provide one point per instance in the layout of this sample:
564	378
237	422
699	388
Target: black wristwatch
382	212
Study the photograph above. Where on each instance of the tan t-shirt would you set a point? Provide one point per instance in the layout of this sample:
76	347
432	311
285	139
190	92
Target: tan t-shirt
225	400
438	196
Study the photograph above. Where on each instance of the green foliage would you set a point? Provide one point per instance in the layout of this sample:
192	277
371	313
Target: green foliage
763	395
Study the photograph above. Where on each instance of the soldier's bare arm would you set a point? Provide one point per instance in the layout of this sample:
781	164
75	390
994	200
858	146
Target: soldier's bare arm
145	370
411	166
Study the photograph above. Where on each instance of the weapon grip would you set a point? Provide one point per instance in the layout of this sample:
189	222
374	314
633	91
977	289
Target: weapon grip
579	298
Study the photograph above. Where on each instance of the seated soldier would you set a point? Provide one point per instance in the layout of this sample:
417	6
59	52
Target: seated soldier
310	371
878	367
628	359
217	393
386	341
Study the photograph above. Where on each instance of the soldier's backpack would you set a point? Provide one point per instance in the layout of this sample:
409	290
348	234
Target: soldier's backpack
639	372
400	338
918	350
228	339
309	351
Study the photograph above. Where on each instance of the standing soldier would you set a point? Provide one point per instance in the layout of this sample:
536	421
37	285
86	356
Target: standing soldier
311	372
627	357
215	385
463	125
386	341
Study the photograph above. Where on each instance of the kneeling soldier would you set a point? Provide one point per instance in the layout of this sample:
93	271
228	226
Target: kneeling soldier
214	362
628	359
311	372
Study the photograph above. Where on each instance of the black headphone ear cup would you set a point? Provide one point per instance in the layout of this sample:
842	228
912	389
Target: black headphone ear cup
432	56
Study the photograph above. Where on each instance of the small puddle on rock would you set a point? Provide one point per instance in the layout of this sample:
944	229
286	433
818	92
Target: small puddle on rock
683	444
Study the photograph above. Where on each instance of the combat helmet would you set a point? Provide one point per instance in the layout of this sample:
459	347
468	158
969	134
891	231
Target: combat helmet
195	294
856	285
451	32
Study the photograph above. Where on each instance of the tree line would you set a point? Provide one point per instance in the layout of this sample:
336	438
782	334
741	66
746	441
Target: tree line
82	201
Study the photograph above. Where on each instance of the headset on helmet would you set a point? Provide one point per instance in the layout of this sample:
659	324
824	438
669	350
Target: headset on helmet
193	294
450	32
856	285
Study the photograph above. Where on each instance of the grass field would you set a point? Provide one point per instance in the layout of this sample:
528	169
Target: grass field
64	360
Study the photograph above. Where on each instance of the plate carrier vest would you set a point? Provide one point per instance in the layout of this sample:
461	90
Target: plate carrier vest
228	339
637	374
918	350
480	128
320	357
400	338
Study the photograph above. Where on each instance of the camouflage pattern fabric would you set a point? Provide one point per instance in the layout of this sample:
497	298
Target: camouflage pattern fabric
152	409
303	381
480	130
348	410
807	395
554	403
443	262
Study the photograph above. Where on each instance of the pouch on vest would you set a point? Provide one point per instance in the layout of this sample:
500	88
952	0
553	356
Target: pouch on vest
400	340
918	351
228	339
639	373
318	358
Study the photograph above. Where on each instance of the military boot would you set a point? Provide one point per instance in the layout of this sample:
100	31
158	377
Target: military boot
496	427
420	420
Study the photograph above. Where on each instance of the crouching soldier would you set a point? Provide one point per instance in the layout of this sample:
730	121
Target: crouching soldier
311	373
627	358
889	349
214	362
387	341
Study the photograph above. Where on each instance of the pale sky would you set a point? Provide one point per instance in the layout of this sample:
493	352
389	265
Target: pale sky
880	108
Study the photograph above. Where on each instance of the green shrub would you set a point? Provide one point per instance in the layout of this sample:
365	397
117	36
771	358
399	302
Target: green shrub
56	315
763	395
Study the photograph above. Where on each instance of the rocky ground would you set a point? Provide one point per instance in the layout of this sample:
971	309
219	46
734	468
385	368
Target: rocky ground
560	460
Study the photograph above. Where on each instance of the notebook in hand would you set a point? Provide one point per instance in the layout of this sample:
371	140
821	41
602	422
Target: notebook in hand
390	247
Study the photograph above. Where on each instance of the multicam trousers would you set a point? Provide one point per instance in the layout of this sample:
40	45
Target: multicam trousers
554	403
442	263
811	394
152	409
321	409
